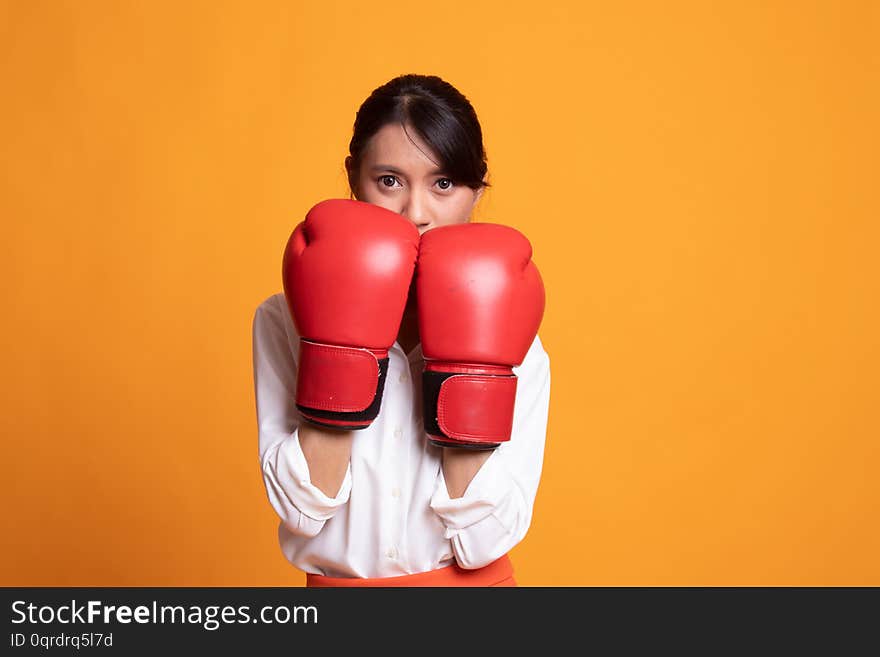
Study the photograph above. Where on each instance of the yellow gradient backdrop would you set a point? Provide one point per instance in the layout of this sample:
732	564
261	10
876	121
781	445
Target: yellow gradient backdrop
699	182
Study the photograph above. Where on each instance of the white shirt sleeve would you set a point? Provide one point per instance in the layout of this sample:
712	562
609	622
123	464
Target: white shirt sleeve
495	511
302	507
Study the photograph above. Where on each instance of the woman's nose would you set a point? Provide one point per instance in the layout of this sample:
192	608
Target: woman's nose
415	211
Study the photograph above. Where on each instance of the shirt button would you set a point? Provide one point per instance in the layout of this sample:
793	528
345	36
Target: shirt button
403	377
391	553
395	492
398	432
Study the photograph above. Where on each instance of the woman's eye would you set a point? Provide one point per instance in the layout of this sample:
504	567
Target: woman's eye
383	180
445	183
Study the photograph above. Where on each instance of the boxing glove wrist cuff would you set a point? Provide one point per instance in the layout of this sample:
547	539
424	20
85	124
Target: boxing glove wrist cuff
468	410
340	387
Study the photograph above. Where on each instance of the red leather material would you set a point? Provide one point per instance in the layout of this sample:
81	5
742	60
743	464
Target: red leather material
468	368
481	298
333	378
342	424
480	303
346	271
477	409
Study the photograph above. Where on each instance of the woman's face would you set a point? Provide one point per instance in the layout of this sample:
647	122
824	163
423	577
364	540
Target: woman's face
399	172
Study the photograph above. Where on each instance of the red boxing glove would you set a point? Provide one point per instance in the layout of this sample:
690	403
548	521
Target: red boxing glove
480	302
346	272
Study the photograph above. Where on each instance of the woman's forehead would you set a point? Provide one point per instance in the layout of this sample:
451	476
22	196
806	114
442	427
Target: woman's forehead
392	147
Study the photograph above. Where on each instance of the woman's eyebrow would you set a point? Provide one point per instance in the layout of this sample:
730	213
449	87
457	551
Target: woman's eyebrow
384	167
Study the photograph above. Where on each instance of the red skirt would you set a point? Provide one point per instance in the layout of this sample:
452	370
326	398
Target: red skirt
497	573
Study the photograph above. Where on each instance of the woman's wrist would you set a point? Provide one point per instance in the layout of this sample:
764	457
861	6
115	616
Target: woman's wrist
460	466
328	453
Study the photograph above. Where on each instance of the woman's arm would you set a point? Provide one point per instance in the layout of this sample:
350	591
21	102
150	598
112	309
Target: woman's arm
328	453
459	468
286	463
487	506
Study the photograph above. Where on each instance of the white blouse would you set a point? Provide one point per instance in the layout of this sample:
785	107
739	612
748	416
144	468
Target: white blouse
392	515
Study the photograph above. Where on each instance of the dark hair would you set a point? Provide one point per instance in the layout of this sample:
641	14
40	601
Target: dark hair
441	115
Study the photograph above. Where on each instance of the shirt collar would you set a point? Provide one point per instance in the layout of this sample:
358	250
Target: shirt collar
415	353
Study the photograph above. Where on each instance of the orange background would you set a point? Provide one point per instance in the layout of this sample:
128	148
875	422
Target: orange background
699	182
